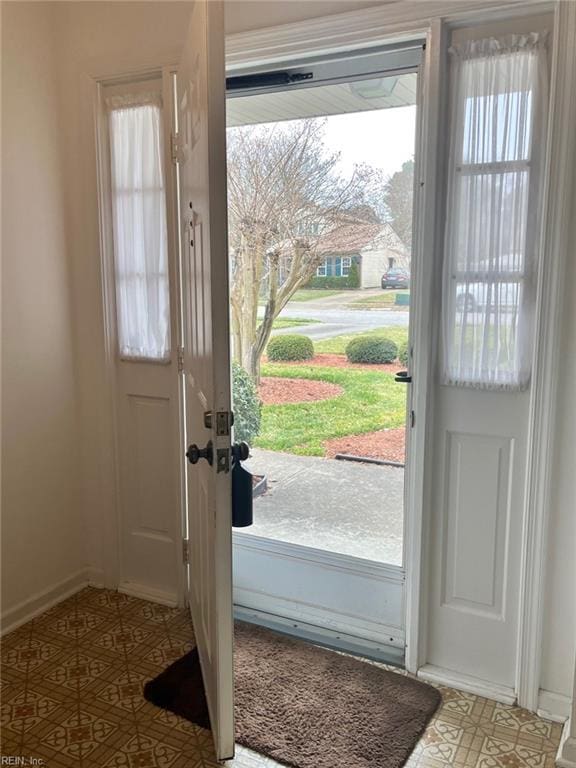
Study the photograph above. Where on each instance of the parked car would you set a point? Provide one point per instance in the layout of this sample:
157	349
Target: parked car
395	278
501	287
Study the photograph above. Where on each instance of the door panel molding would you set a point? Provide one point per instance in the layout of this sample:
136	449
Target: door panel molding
477	508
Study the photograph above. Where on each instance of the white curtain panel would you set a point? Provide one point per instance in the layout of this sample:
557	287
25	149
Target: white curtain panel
498	107
140	237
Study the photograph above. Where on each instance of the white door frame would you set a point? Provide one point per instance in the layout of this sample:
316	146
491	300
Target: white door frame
376	26
347	32
386	631
555	240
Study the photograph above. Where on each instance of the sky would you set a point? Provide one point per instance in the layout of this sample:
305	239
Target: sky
383	138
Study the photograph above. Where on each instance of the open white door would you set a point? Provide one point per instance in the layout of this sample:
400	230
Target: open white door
204	256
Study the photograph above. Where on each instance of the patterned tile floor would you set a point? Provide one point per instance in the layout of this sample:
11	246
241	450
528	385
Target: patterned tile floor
72	698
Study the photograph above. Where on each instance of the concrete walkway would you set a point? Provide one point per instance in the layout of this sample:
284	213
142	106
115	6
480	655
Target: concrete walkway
339	506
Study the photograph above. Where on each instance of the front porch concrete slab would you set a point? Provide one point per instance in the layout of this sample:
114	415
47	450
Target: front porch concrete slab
339	506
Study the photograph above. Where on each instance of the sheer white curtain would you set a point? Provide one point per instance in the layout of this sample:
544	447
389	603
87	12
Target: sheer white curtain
498	107
140	237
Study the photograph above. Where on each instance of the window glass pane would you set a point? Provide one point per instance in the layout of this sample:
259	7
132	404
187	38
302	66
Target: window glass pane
498	92
140	237
489	225
485	331
497	115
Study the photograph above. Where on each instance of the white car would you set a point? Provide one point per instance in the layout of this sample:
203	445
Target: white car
489	287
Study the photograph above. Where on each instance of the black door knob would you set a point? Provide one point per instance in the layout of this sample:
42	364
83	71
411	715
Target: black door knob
240	451
194	454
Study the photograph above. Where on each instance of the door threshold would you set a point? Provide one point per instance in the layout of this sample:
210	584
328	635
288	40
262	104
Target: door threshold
328	638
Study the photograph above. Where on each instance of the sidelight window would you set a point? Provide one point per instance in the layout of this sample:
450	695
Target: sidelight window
498	90
139	220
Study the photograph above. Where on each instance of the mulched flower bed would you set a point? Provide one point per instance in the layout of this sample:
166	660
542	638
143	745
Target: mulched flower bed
386	444
280	391
340	361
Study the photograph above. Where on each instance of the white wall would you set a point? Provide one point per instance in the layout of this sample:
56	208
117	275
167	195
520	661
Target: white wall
41	529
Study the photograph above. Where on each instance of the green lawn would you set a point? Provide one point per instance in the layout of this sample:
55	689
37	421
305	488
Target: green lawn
337	345
289	322
370	401
378	300
309	294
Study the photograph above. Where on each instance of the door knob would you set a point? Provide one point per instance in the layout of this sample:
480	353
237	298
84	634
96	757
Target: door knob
194	454
402	377
240	451
242	488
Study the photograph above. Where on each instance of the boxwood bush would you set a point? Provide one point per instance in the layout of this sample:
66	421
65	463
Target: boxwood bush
403	353
292	346
371	349
247	405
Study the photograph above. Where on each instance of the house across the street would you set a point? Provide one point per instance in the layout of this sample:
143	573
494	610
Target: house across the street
373	247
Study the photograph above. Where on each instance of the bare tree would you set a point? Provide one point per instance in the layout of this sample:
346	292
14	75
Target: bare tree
398	198
284	195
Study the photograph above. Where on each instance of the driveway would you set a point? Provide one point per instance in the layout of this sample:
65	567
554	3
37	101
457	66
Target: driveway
338	506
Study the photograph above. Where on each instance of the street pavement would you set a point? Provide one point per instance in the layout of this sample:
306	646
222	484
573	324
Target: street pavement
335	318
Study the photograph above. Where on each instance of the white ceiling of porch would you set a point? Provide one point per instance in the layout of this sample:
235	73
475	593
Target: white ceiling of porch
317	101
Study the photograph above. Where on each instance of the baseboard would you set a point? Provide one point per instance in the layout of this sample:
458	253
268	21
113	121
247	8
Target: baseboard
566	756
148	593
36	604
553	706
467	683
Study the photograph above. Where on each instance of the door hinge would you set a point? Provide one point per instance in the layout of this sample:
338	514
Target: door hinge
174	147
185	551
180	359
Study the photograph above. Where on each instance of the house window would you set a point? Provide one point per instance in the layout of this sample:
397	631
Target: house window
321	271
139	223
307	228
497	132
346	264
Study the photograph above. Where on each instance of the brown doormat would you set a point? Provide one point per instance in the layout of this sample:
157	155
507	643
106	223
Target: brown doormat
305	706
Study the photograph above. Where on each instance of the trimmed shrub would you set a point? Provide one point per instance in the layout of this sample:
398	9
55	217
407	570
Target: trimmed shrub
349	281
403	353
292	346
354	275
371	349
247	405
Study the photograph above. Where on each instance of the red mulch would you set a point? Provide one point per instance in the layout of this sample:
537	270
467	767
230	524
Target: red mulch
387	444
277	391
340	361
